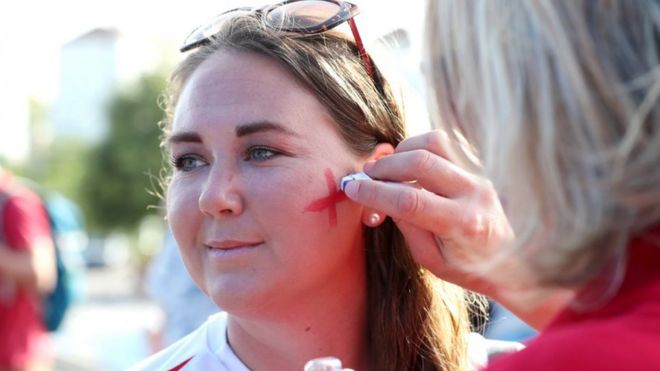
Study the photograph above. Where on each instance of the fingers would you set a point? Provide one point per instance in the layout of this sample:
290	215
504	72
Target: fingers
441	144
429	170
435	141
404	201
424	159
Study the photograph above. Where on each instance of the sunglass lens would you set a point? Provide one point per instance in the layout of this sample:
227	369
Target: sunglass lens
302	16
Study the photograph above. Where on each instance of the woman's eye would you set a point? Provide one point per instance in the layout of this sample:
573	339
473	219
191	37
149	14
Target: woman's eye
260	154
187	163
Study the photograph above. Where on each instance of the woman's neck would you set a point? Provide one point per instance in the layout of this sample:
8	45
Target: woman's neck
331	322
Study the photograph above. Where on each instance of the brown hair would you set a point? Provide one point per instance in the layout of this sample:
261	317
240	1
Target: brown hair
416	322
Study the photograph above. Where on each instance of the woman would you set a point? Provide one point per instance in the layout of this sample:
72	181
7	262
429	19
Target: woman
556	104
265	118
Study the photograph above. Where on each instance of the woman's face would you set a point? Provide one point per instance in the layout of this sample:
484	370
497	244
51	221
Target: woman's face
253	200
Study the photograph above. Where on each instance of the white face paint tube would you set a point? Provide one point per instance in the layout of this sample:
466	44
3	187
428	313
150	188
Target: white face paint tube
351	177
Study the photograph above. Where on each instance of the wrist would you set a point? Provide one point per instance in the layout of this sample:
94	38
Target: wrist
535	306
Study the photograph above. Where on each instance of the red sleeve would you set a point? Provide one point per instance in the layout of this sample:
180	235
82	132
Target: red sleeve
24	221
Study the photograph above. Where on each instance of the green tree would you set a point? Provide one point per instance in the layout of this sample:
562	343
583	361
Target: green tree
122	171
61	168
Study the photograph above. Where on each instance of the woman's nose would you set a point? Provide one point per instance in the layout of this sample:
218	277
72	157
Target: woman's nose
221	196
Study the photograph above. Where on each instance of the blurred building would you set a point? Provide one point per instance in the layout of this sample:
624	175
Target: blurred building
14	109
61	88
14	121
88	78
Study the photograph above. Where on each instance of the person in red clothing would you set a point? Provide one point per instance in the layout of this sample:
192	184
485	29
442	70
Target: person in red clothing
27	270
542	189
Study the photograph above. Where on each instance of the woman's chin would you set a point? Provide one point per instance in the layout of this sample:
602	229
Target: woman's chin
238	297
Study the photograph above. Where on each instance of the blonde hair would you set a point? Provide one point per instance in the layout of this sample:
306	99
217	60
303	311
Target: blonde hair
416	322
559	100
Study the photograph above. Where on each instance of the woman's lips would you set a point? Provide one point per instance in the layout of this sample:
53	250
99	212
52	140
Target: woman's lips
231	244
232	251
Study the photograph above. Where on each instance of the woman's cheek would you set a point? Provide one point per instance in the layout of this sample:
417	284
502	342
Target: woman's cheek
182	210
287	190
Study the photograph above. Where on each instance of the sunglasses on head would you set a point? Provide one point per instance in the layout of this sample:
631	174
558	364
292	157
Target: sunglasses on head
306	17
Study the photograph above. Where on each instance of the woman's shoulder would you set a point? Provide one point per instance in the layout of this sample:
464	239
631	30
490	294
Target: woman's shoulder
192	351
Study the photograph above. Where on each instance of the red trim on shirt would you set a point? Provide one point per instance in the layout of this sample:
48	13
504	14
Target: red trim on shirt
180	365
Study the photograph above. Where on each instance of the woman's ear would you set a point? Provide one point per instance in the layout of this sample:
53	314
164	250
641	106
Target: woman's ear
381	150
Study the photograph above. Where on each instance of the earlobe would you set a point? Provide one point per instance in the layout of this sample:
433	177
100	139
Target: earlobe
371	218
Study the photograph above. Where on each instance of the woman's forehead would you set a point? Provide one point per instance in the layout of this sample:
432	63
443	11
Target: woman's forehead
244	67
243	87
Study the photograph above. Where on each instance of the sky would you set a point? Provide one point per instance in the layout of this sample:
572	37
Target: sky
32	32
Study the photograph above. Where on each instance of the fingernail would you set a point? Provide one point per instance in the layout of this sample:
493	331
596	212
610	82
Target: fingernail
351	189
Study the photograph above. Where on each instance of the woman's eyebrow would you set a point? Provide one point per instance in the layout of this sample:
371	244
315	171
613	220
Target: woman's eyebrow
186	136
241	131
261	126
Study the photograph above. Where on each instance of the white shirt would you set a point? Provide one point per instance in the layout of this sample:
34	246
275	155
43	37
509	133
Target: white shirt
203	349
207	349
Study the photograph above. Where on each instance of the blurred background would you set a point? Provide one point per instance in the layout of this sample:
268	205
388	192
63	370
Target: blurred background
80	86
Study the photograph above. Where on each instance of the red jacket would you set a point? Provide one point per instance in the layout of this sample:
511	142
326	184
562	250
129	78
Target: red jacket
622	335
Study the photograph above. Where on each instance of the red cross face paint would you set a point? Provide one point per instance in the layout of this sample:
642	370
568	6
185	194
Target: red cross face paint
253	200
330	201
